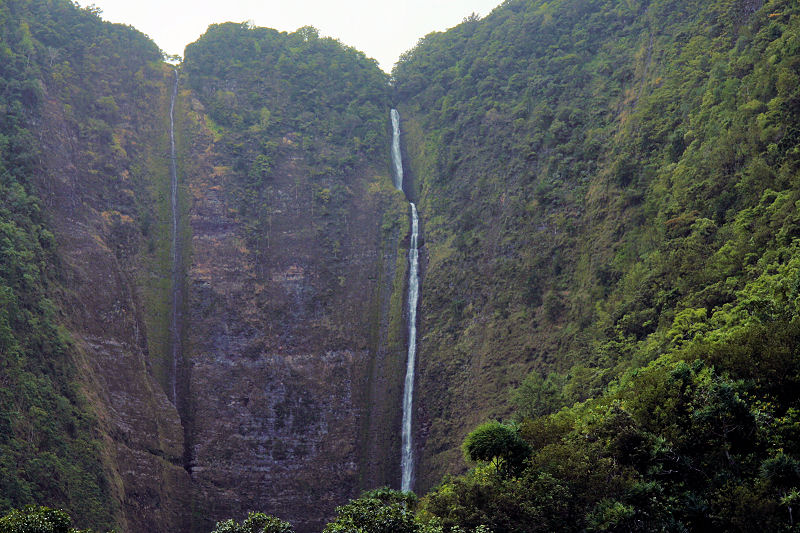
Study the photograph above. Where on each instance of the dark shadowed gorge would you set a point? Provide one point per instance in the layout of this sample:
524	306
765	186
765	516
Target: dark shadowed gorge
204	271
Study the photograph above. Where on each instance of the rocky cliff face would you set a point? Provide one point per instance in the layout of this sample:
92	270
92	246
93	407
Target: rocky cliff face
95	202
289	374
289	308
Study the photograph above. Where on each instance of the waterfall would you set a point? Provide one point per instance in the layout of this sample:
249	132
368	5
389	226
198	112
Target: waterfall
175	332
407	462
407	447
397	157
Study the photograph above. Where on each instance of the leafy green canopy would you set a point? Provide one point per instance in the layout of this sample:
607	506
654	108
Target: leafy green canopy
258	83
676	446
254	523
377	511
34	519
498	444
386	511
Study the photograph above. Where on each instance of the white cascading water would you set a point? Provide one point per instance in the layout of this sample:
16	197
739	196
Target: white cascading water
407	462
407	457
397	157
176	258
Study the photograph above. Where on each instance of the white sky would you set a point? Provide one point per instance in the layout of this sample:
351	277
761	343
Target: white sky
381	29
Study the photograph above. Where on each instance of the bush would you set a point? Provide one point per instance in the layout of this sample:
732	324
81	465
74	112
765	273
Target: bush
379	511
498	444
254	523
34	519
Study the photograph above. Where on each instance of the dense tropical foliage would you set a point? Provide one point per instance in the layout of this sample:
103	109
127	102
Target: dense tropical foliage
254	523
625	177
34	519
603	181
264	89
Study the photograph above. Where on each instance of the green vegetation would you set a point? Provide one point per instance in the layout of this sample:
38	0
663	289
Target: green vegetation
296	105
47	451
33	519
267	92
604	183
611	191
298	82
498	444
380	511
675	446
377	511
254	523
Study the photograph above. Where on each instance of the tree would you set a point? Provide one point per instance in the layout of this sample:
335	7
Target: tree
254	523
33	519
538	396
379	511
499	444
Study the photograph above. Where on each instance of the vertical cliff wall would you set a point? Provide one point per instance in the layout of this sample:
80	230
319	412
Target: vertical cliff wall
94	117
290	277
295	228
96	219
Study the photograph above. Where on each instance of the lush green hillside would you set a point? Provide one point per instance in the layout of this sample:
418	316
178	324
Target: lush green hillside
606	185
49	450
264	90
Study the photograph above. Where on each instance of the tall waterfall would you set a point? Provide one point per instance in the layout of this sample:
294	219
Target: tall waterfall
175	332
397	157
407	457
407	462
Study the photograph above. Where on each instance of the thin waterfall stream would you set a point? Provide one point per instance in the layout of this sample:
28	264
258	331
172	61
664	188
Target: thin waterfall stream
175	332
397	156
407	444
407	462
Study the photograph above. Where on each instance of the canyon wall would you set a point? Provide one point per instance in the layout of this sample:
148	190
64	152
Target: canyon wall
289	303
95	215
289	229
288	377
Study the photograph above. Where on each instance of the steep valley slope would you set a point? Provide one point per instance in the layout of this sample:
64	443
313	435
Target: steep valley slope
87	424
601	182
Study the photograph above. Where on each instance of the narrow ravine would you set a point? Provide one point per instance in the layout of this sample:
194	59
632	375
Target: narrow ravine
175	322
407	441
